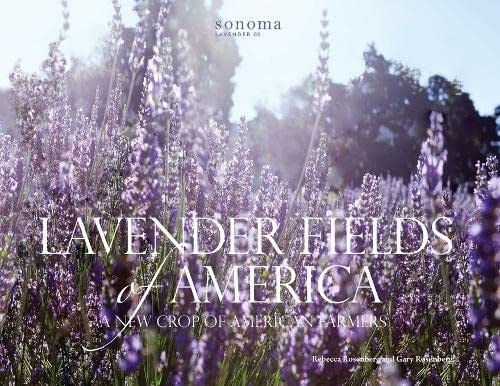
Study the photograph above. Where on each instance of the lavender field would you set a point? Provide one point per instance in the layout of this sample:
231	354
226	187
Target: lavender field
150	147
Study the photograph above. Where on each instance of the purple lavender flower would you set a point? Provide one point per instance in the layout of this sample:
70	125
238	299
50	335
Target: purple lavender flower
131	354
434	156
485	266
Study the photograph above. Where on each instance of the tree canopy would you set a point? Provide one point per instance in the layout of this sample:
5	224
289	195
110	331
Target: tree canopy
376	124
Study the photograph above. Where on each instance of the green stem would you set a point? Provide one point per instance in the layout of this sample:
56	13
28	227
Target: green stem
129	98
302	174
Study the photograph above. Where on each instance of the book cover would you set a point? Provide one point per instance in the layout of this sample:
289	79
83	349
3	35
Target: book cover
266	192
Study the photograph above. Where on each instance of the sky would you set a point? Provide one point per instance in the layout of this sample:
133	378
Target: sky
455	38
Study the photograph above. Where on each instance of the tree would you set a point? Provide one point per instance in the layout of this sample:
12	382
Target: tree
377	122
212	61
